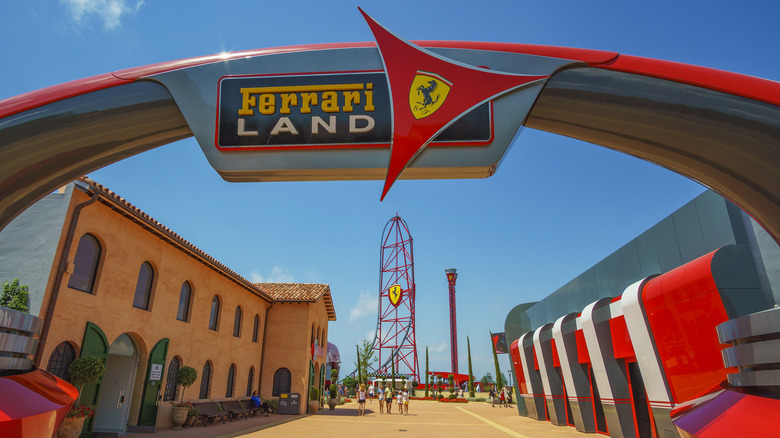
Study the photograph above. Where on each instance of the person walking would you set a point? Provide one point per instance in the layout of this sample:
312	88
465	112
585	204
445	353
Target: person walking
400	399
371	393
389	399
502	397
492	396
362	400
406	401
381	397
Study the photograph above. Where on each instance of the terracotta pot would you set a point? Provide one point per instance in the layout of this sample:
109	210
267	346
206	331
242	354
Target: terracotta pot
71	427
332	402
178	416
314	406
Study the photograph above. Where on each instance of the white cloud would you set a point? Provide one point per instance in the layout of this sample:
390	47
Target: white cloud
370	335
278	274
109	12
366	305
440	347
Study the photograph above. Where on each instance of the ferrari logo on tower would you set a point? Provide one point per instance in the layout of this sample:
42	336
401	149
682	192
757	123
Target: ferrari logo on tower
395	293
427	94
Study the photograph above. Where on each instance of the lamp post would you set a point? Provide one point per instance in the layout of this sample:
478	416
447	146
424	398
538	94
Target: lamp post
452	276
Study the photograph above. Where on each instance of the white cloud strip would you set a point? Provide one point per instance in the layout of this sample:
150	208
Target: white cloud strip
278	275
365	306
109	12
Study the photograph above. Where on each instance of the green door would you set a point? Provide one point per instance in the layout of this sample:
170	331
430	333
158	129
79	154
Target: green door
311	382
322	381
153	383
94	344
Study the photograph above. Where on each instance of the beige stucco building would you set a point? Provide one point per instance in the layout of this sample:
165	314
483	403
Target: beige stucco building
110	281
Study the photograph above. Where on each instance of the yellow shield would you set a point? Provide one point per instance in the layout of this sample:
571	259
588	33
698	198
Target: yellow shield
427	94
395	292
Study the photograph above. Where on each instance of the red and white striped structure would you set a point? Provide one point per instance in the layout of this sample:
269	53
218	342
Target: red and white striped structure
395	340
625	366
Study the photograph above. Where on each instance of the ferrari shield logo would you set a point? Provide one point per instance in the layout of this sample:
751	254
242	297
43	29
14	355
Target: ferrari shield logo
427	94
395	292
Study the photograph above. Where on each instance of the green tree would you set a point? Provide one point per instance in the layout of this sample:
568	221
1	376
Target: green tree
495	359
15	297
486	380
84	371
349	382
451	381
426	371
392	368
471	376
502	380
357	364
366	358
185	377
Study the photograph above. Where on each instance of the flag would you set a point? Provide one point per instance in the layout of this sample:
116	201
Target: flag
499	342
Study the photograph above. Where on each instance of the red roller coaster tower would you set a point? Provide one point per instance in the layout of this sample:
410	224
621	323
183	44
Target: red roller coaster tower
395	340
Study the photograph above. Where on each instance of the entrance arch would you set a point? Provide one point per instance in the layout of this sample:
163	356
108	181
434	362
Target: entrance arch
718	128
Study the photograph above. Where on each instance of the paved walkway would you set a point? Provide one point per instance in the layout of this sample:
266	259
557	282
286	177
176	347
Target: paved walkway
426	419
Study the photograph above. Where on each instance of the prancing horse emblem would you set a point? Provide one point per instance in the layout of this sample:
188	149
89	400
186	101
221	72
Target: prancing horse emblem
427	94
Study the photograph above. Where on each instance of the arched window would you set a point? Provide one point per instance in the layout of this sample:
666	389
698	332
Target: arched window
231	381
60	360
282	381
170	384
143	289
256	328
237	323
250	381
205	381
184	302
214	318
86	264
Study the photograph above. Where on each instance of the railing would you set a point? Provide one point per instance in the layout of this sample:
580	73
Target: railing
754	351
18	339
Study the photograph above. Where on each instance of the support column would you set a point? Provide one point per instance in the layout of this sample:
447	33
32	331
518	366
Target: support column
534	400
551	380
575	375
609	372
659	395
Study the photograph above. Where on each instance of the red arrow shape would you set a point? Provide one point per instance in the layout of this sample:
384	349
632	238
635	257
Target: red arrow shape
410	67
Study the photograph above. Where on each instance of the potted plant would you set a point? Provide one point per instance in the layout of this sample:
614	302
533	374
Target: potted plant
314	397
83	371
181	410
333	400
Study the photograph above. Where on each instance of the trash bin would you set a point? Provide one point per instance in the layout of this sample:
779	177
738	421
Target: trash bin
289	403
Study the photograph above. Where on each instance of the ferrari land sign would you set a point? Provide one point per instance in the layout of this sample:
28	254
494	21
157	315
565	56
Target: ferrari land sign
267	112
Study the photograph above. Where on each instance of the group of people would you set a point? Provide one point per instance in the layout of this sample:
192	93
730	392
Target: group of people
386	398
504	397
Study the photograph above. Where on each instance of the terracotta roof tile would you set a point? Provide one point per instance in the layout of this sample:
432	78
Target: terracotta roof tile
300	293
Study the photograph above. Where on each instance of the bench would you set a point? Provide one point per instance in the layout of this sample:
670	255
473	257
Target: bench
209	411
235	409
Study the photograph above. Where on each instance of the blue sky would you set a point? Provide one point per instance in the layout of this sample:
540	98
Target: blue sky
555	207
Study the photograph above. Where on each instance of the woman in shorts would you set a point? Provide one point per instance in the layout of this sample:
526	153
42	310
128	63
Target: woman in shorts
389	399
362	399
381	398
406	401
